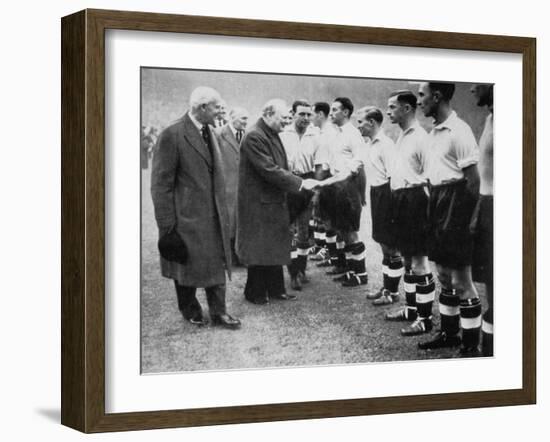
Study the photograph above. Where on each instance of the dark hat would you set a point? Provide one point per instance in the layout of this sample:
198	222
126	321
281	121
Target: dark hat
172	247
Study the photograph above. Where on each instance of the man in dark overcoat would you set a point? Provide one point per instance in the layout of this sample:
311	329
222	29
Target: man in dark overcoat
263	222
188	191
230	137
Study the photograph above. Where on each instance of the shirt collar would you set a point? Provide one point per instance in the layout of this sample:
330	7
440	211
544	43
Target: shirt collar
266	128
346	125
310	130
413	127
327	127
195	122
232	129
379	137
449	123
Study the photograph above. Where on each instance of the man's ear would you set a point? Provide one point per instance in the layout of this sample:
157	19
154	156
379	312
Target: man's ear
437	96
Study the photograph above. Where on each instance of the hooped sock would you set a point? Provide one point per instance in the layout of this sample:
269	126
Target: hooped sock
425	295
470	321
449	310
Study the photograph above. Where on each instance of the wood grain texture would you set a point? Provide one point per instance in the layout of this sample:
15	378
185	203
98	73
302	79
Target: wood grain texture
529	221
83	220
73	211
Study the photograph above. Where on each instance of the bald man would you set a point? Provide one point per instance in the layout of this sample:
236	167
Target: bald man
229	139
263	220
188	191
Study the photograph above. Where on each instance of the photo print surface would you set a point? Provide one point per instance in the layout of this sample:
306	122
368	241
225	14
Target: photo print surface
295	220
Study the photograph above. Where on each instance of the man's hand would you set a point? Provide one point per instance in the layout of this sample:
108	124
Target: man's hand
310	184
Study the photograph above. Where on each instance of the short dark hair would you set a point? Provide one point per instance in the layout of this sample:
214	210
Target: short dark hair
446	90
372	113
323	107
346	104
406	97
300	102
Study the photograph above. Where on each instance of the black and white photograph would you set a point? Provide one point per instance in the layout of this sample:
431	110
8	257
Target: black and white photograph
300	220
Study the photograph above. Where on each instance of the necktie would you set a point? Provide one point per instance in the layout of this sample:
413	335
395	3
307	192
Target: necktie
239	135
206	137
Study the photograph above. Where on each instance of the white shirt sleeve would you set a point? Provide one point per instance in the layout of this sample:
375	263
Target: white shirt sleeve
466	149
358	146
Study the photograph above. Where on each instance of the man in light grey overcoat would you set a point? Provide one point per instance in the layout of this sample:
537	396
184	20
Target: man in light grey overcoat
229	140
188	190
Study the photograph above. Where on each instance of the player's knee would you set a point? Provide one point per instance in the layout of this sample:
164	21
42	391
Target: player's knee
445	277
420	265
465	288
352	237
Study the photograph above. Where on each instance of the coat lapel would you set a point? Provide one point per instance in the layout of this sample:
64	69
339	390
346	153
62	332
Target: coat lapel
276	144
227	135
194	138
219	196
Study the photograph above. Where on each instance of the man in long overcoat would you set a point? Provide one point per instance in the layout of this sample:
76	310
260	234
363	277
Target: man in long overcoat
230	137
263	223
188	191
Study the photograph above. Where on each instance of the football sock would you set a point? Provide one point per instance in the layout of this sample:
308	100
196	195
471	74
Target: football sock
395	270
341	254
470	321
487	333
425	294
311	228
349	260
331	244
385	262
293	266
301	260
409	283
320	236
357	261
449	311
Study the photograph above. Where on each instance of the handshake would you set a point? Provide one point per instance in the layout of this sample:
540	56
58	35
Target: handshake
311	184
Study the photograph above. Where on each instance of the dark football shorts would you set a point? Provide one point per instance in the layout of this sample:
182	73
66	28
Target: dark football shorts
482	230
410	217
341	203
299	202
450	214
382	216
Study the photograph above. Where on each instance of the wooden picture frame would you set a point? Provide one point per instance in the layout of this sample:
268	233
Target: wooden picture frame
83	220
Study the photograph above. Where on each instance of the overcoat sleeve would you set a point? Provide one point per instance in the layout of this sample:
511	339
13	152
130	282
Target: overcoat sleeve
258	153
163	180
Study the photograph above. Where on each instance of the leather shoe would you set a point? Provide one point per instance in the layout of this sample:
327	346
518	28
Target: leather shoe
469	352
404	314
259	301
355	280
320	255
327	263
418	327
371	296
226	321
198	321
441	340
284	297
387	298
